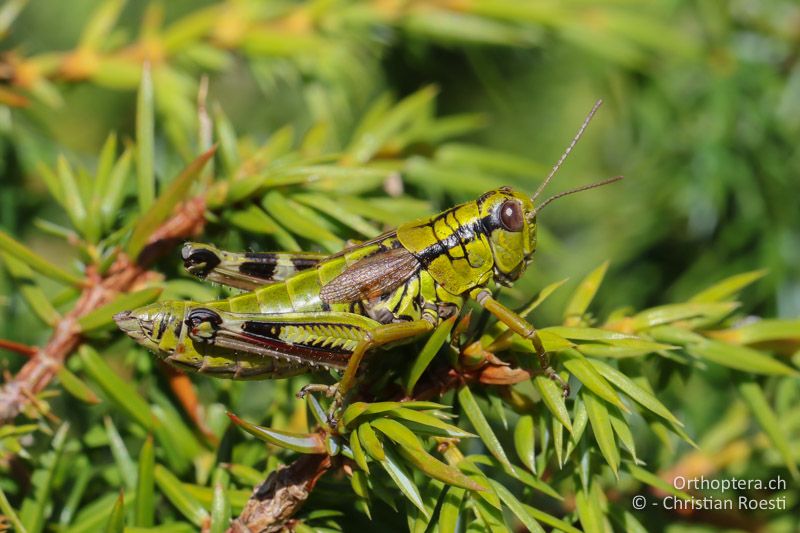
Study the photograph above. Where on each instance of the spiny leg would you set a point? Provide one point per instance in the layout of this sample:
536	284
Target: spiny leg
521	327
381	335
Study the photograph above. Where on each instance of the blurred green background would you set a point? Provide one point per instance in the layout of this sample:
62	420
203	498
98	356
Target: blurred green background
701	116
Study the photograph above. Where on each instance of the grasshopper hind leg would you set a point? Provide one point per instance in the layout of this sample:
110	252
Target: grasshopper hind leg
380	336
522	327
333	340
246	270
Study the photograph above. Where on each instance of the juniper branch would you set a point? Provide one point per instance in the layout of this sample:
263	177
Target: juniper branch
123	275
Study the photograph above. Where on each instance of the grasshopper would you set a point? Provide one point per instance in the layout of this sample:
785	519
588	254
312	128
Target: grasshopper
307	311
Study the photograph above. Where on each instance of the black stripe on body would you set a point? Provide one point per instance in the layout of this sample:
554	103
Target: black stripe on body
464	234
303	263
396	307
260	270
178	328
162	325
481	229
264	264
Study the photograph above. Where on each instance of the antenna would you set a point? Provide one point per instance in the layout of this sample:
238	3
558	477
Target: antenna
567	151
573	191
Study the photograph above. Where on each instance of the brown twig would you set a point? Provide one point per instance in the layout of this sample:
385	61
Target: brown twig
280	496
23	349
123	276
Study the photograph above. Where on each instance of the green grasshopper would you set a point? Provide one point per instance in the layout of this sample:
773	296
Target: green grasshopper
310	311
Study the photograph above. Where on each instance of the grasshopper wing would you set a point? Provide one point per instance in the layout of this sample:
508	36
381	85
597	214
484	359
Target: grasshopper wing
371	277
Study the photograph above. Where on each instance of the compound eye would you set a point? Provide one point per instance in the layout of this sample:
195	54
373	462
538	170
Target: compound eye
511	215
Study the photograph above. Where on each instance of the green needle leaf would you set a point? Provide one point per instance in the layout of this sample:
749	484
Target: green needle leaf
358	452
73	202
584	295
353	411
116	521
634	391
425	356
554	400
522	475
145	141
582	369
317	411
358	409
481	425
589	513
426	463
36	511
105	163
73	385
301	220
253	219
665	314
119	391
423	422
33	294
728	287
524	442
623	431
177	494
451	508
412	450
100	24
335	210
163	207
104	315
394	467
516	507
298	442
37	262
602	428
145	486
114	192
558	441
220	505
768	420
550	520
358	480
9	514
370	441
122	457
656	482
761	331
740	358
581	419
375	134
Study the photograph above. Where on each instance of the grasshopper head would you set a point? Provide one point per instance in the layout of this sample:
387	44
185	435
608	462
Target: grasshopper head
152	324
508	217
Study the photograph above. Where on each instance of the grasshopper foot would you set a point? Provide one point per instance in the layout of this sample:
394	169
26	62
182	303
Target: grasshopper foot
331	391
552	374
327	390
